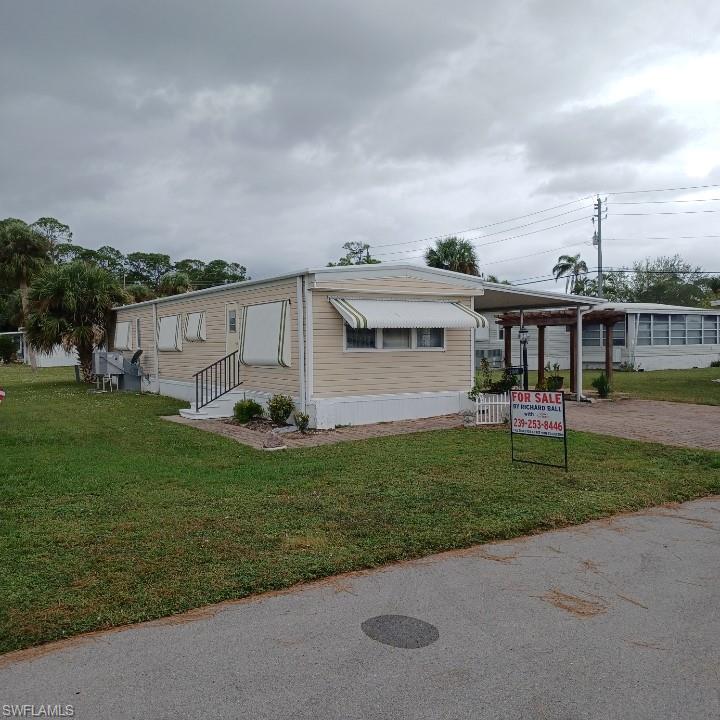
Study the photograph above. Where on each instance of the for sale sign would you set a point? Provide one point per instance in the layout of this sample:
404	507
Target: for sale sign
536	412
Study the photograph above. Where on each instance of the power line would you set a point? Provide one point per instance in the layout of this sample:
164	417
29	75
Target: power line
662	202
677	189
493	242
671	212
493	224
677	237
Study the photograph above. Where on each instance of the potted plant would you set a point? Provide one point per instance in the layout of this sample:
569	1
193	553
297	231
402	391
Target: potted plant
553	379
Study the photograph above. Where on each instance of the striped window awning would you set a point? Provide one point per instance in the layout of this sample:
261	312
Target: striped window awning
407	314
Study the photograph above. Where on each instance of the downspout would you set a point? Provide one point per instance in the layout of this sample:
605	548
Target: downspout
308	341
300	312
155	346
579	397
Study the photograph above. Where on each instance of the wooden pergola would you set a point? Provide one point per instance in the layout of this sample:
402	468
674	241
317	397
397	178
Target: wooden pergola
569	318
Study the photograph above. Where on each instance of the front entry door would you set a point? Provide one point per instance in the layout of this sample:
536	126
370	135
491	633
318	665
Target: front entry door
232	338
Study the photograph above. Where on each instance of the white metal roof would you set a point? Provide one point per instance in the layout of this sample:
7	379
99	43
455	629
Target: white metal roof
362	313
498	295
655	308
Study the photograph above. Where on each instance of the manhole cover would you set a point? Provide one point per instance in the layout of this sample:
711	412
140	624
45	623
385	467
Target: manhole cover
400	631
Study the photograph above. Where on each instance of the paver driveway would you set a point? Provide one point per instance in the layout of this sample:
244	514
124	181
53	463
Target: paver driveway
613	619
670	423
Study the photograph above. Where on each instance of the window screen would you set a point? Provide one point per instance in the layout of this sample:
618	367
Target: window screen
694	329
395	338
359	339
644	330
138	335
430	337
677	330
661	329
710	329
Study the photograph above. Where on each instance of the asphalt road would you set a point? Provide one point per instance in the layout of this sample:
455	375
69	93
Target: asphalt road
614	619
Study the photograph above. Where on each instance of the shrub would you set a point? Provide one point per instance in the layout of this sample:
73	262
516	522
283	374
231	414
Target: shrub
280	407
7	348
302	420
715	363
246	410
602	385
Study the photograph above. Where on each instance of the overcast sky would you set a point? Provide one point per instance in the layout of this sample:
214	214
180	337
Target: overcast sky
270	133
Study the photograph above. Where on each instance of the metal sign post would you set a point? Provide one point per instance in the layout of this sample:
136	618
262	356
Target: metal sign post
539	413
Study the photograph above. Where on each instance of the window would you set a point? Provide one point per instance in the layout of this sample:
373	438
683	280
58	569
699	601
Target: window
138	336
122	340
359	339
644	329
195	327
169	337
661	330
394	338
710	329
493	356
677	330
694	334
265	334
592	335
430	338
232	321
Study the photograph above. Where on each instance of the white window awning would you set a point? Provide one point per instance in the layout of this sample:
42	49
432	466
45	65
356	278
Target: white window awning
407	314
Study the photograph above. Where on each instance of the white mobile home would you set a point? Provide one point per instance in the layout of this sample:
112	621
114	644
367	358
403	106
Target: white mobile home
350	345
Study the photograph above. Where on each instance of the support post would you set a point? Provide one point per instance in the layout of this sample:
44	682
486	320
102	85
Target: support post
507	337
541	355
608	351
573	358
578	355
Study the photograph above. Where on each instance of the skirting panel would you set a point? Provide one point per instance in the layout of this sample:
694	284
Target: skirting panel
366	409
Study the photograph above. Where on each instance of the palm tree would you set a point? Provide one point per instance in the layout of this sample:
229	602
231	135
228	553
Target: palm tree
174	283
571	267
23	252
139	292
453	254
71	305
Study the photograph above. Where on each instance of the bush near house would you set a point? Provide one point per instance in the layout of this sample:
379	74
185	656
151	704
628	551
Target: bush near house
602	385
279	408
246	410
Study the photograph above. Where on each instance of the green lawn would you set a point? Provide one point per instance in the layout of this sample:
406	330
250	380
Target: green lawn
691	386
109	515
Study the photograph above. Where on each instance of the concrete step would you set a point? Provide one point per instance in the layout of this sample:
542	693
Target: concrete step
220	408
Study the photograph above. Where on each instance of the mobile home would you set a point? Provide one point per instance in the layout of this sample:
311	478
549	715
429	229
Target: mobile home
350	345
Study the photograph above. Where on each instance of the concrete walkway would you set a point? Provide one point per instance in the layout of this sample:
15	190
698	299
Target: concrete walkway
669	423
613	619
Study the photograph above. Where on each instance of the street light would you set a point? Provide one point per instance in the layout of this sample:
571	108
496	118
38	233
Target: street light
523	332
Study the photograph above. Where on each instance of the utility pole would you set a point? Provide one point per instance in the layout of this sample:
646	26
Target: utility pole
597	240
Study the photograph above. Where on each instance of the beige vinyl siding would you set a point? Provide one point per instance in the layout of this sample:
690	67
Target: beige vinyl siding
145	315
394	286
195	356
338	373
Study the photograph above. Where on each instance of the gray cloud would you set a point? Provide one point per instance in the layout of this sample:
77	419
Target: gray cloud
271	133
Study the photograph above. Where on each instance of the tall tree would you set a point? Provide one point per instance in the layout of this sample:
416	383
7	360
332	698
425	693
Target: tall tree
56	233
453	254
571	267
147	268
221	272
668	280
23	253
357	253
72	306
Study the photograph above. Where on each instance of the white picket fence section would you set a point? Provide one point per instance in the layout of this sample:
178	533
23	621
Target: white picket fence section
492	409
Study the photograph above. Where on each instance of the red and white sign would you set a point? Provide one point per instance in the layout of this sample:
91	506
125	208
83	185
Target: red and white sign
2	394
537	412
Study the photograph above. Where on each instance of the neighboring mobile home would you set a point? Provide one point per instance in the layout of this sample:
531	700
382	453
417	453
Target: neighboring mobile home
650	337
350	345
